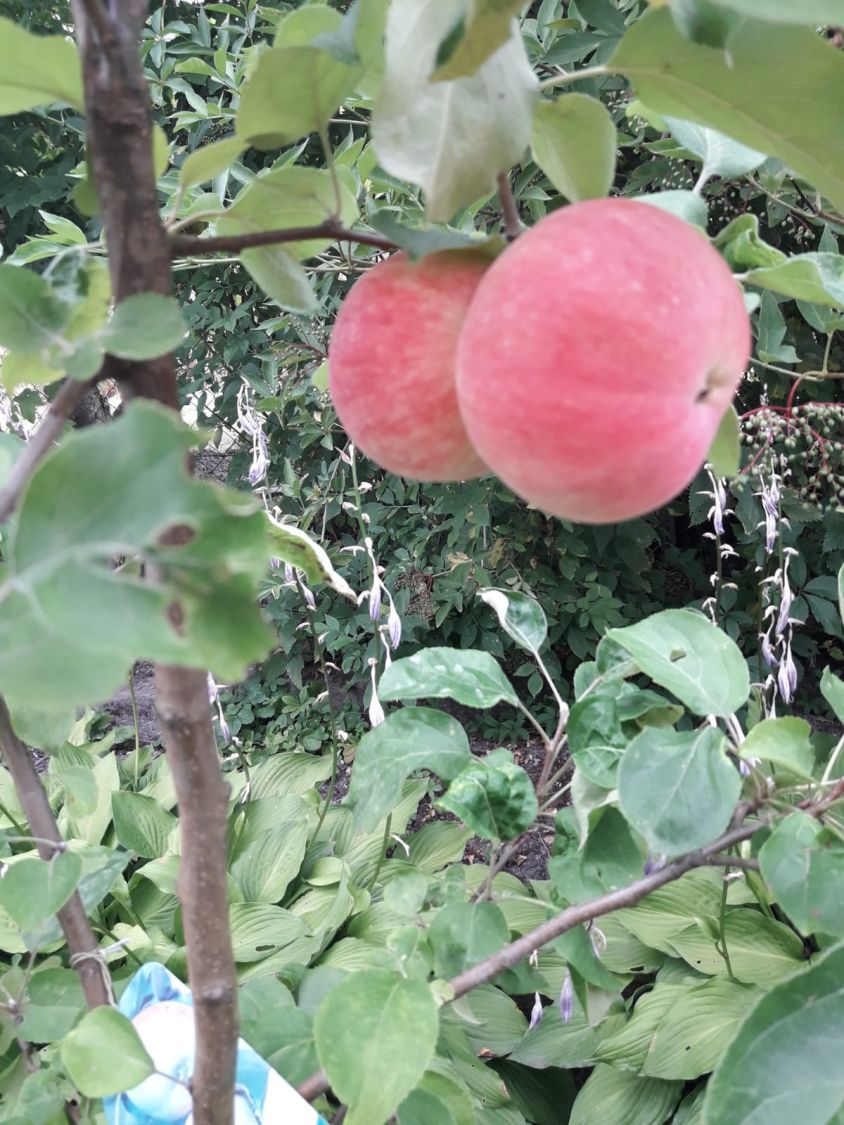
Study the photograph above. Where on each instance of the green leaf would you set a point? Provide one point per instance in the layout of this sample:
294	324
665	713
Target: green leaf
785	742
270	847
104	1054
281	278
813	12
37	70
841	591
574	143
746	91
725	452
684	652
493	796
678	788
305	24
292	545
469	676
437	1100
596	738
761	950
666	912
486	26
782	1066
81	633
143	327
719	155
375	1034
462	934
520	617
677	1032
684	204
141	824
544	1096
742	245
493	1021
31	315
206	163
832	689
259	930
54	1003
803	863
10	447
808	277
290	197
419	242
616	1095
292	91
32	890
451	138
611	857
411	739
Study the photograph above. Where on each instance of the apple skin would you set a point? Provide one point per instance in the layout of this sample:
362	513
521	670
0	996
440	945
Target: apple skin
598	357
391	364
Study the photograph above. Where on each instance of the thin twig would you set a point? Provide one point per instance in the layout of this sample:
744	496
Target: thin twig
85	954
68	398
181	244
509	208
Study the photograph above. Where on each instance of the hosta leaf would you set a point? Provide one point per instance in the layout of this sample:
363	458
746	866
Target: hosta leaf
617	1095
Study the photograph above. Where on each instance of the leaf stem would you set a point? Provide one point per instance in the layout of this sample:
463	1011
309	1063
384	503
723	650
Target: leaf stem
569	76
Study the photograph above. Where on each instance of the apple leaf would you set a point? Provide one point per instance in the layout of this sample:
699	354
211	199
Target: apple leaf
725	452
815	277
37	70
292	91
113	491
574	142
720	155
451	138
209	161
775	89
104	1054
815	13
476	34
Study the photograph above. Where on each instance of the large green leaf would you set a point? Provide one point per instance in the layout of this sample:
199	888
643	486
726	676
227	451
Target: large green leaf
270	847
815	277
783	1065
478	31
617	1095
375	1034
813	12
679	1032
832	686
803	863
437	1100
292	545
451	138
666	912
143	327
725	451
469	676
104	1054
760	949
678	788
71	619
259	930
684	652
37	70
775	89
411	739
493	796
205	163
141	824
574	143
291	92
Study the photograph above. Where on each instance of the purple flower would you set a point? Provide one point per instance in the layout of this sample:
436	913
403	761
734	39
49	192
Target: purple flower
375	599
394	625
536	1011
787	675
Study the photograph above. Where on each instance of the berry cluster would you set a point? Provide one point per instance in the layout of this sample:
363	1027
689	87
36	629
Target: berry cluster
810	438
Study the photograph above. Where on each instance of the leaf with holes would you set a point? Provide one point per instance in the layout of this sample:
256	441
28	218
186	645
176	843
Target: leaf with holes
468	676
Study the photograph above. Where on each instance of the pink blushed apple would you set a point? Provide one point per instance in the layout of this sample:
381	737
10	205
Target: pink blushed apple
597	359
391	364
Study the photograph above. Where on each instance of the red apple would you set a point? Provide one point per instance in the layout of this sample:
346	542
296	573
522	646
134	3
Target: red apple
598	357
391	364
